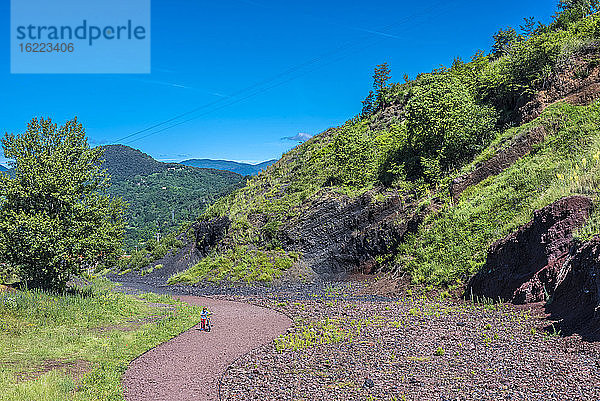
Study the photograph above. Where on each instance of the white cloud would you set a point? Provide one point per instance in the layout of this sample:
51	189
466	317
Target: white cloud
299	137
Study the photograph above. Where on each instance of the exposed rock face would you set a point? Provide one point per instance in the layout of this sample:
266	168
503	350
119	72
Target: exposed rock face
338	234
519	147
198	240
576	299
524	266
209	233
391	114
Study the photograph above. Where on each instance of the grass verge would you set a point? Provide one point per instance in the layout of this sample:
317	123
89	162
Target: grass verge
77	346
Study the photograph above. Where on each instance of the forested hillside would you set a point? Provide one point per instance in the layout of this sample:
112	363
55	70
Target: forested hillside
161	196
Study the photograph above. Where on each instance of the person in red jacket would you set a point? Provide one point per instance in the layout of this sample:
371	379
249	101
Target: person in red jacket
204	316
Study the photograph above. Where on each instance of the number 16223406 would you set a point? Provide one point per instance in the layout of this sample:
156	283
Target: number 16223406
46	47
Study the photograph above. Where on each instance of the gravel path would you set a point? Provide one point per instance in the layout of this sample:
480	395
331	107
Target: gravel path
189	366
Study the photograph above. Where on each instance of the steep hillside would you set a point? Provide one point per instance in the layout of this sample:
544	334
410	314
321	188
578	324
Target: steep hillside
430	174
162	196
227	165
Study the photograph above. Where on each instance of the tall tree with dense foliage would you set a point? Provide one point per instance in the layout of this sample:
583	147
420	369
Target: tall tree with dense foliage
584	7
504	39
375	99
445	126
528	27
381	77
570	11
368	105
55	218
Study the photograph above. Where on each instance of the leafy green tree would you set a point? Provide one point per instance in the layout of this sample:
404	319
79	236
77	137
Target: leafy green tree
55	218
368	105
504	39
375	99
570	11
583	7
528	27
381	76
354	156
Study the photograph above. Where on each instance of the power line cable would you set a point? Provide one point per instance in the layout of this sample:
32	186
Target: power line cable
347	46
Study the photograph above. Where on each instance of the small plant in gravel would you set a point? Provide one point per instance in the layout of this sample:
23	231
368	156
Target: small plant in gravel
332	291
396	324
439	351
551	331
299	305
486	339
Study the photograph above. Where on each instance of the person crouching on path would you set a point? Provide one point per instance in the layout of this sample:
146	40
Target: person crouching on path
203	317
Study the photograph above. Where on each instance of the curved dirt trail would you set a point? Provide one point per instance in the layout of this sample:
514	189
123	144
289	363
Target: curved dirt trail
189	366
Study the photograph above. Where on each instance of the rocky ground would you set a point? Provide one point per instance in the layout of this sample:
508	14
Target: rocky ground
345	345
348	344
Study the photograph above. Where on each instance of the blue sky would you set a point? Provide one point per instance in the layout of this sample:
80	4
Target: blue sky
256	71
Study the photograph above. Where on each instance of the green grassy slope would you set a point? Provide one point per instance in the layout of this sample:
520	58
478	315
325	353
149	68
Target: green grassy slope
452	243
418	136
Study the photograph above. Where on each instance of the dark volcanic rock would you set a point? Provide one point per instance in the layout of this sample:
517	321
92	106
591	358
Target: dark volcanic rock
337	234
209	233
576	300
524	266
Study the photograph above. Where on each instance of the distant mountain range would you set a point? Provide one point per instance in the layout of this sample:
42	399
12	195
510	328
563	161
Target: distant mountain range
227	165
2	168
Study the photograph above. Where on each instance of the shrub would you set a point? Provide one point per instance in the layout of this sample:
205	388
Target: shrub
445	127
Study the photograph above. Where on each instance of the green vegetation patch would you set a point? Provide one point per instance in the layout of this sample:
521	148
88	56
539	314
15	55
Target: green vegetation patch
327	331
238	264
452	244
161	202
151	251
93	328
